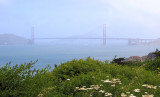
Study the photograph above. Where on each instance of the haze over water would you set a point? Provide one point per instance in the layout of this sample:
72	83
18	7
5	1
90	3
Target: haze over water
57	54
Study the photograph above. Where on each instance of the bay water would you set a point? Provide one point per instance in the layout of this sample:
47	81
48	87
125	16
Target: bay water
57	54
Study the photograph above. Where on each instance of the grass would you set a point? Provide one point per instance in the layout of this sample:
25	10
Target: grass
83	78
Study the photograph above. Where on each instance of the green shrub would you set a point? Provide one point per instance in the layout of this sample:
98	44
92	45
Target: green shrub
76	67
152	65
91	72
21	80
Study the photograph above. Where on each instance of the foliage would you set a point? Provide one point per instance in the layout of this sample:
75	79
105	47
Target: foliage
118	61
81	78
153	65
91	72
20	80
76	67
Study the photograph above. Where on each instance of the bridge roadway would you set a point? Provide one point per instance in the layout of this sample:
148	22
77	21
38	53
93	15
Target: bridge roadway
131	41
95	38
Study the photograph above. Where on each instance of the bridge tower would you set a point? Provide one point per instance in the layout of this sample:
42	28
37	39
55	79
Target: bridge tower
32	35
104	34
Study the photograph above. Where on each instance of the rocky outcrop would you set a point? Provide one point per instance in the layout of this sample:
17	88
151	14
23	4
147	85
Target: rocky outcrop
143	58
134	58
151	56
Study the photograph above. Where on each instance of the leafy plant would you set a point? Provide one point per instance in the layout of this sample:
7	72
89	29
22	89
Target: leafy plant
81	78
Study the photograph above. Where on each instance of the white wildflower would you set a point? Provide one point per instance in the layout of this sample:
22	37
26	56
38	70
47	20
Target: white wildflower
155	87
127	92
144	85
123	95
137	90
107	81
131	95
113	82
89	88
84	86
68	79
82	89
113	85
148	95
102	91
77	87
146	92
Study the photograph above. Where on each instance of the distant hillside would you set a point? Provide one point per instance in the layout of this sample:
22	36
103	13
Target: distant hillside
11	39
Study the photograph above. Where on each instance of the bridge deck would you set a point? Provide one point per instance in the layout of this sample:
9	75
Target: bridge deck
97	38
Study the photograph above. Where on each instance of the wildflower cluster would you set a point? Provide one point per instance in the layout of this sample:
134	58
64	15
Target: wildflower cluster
128	94
147	95
132	95
149	86
138	90
108	94
83	88
97	87
113	83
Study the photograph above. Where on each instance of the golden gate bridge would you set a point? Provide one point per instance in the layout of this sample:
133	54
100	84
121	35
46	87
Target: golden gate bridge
131	41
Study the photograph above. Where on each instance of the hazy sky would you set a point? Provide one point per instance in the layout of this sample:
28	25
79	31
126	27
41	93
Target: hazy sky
64	18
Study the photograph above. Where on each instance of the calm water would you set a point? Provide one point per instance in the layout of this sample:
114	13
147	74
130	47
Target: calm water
56	54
